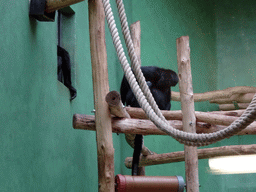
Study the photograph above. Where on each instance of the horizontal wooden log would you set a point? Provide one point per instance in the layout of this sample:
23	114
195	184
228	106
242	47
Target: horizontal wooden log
125	125
239	98
146	127
227	107
206	153
138	113
226	93
215	118
236	113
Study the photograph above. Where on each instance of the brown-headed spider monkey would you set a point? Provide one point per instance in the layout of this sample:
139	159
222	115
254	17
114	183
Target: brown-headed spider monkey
160	82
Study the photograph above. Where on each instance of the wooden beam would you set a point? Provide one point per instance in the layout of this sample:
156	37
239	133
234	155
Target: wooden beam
146	127
188	111
236	113
227	107
205	153
138	113
104	139
239	98
219	94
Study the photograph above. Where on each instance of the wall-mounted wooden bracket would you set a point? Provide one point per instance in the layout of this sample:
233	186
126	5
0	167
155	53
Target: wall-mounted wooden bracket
37	10
44	10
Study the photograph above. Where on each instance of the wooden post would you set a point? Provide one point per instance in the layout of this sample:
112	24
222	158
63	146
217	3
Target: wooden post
188	111
136	36
101	88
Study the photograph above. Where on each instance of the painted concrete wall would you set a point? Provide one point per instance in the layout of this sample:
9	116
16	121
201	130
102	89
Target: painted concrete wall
236	48
40	151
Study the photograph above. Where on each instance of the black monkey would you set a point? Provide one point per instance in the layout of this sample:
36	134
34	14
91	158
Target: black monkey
160	82
64	70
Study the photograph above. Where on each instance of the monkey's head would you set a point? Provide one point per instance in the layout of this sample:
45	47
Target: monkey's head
168	79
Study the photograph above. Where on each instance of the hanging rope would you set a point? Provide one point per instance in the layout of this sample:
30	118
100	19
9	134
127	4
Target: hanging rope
145	98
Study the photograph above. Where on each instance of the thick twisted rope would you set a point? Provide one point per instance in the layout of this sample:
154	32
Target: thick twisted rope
153	112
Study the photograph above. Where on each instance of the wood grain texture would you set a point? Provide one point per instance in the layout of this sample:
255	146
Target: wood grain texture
146	127
104	138
188	111
206	153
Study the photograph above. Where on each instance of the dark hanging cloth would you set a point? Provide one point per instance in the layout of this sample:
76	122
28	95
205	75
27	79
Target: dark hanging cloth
64	71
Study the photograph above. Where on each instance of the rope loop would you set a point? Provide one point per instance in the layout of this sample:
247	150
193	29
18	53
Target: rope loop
144	97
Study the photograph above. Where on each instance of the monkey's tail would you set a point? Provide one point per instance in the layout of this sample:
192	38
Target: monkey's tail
136	153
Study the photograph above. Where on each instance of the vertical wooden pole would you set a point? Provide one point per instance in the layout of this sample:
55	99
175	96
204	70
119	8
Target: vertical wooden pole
136	36
188	111
105	148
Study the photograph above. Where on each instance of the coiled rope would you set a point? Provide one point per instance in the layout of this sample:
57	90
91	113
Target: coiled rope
145	98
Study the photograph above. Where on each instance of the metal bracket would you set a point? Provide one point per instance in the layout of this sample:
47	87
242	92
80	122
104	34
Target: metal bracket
37	10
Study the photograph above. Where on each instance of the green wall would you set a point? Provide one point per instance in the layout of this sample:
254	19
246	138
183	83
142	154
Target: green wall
40	151
235	44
